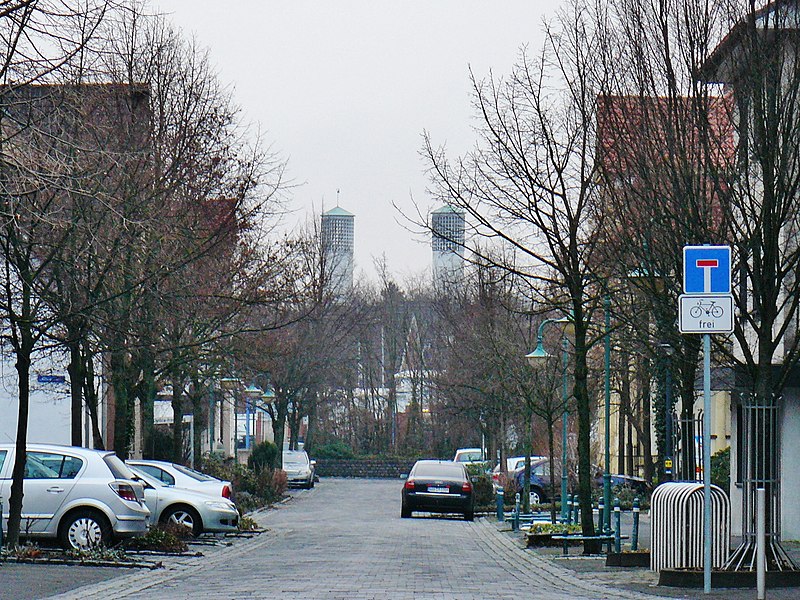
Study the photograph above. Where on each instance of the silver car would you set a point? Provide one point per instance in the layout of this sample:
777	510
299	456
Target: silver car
194	510
299	469
184	477
82	497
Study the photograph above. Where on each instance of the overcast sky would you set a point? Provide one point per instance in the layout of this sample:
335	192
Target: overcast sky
344	89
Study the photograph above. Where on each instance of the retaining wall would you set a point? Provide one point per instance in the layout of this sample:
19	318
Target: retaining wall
363	468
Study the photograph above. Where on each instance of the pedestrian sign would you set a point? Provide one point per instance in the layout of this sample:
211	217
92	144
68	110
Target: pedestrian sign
707	270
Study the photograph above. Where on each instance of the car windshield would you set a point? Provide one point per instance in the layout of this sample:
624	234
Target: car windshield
438	470
194	474
469	456
295	458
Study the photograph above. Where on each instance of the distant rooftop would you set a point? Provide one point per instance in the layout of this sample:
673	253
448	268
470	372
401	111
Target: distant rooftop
447	209
337	212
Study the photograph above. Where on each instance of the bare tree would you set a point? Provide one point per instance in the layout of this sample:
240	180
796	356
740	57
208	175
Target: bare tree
531	184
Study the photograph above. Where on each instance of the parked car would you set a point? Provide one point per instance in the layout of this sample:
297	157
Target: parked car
196	511
300	470
469	456
184	477
82	497
540	481
638	484
513	465
438	486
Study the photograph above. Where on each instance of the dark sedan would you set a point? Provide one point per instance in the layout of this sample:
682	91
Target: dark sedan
438	486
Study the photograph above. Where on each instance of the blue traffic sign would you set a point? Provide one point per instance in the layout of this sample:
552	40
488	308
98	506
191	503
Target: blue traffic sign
707	269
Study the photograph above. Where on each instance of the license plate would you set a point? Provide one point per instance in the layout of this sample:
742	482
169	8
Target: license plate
438	490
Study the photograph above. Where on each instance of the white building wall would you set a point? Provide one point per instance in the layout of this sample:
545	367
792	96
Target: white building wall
49	411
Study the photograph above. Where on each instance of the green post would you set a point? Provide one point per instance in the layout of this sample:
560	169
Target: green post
564	434
635	534
500	505
607	472
617	526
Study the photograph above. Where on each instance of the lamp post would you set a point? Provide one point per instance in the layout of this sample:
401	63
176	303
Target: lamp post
254	393
607	378
536	359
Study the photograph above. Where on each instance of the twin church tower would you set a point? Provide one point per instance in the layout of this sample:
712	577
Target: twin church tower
447	226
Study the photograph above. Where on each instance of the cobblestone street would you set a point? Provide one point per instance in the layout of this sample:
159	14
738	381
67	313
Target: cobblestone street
345	540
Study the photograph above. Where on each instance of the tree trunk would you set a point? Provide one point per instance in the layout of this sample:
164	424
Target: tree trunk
147	393
23	349
122	421
90	394
76	377
581	395
177	417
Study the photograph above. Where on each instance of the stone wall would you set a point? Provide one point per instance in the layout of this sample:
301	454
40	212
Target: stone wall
370	468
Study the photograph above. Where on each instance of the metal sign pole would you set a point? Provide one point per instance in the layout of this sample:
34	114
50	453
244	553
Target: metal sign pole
707	463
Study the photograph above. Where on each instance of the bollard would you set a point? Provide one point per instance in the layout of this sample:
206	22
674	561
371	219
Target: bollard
569	509
761	543
500	505
600	515
577	506
617	526
515	522
635	534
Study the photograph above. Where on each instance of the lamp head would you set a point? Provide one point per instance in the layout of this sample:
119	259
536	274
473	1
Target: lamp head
538	357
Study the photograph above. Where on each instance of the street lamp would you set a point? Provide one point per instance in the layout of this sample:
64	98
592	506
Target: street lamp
254	393
536	359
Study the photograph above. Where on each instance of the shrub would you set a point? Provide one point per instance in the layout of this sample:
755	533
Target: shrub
253	488
483	490
721	469
554	528
263	456
162	537
335	449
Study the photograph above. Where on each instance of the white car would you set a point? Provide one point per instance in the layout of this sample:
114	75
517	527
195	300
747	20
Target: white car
299	469
184	477
82	497
193	510
469	456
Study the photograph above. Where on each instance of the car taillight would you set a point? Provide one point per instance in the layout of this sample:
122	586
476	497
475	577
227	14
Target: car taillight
124	491
409	484
466	487
226	491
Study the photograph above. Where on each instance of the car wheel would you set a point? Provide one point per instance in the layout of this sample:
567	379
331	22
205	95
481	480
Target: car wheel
469	516
405	513
184	516
84	529
536	496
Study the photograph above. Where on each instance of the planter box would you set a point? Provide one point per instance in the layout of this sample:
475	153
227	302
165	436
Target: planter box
541	540
628	559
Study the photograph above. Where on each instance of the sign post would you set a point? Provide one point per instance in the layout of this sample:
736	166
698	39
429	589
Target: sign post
706	307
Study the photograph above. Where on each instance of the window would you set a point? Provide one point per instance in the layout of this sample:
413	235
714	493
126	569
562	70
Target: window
2	459
39	465
45	465
158	473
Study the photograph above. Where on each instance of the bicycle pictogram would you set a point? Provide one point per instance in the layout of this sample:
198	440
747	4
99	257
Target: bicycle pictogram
709	309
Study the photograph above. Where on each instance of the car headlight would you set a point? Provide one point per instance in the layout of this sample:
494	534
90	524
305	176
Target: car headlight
220	505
